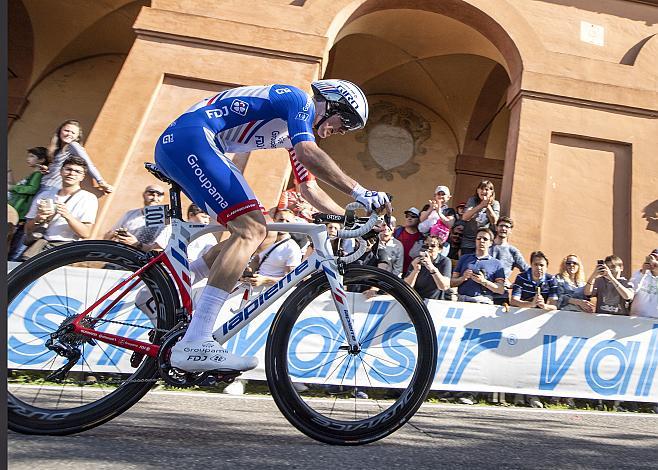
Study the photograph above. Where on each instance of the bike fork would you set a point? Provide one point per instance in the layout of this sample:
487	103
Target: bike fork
340	302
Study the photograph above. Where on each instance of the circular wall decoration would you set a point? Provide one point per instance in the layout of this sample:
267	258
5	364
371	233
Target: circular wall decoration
393	138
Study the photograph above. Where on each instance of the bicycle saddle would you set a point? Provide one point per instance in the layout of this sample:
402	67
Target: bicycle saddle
157	173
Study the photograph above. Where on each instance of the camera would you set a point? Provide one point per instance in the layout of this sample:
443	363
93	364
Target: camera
600	262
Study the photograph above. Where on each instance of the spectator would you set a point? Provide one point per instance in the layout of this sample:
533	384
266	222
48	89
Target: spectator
131	228
429	273
535	288
571	286
645	286
390	251
408	234
63	215
21	194
482	211
612	291
478	275
65	143
12	222
438	216
455	240
507	254
293	200
459	210
276	259
200	246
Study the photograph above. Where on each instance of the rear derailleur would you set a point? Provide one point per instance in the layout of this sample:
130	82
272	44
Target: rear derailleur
64	342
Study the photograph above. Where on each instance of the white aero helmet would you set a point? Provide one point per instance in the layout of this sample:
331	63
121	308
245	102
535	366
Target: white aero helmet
343	98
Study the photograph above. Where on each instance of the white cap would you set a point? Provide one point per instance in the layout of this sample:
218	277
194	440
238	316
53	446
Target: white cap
414	211
445	190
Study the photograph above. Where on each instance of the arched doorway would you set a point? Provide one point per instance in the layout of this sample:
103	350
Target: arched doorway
62	69
438	91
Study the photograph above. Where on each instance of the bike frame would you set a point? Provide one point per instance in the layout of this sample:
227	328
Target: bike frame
174	258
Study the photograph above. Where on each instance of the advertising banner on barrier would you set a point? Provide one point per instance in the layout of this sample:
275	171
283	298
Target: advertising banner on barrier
481	347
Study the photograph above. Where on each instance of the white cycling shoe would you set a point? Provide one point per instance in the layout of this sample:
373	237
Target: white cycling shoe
208	355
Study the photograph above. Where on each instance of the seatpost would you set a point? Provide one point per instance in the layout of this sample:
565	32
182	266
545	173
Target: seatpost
176	210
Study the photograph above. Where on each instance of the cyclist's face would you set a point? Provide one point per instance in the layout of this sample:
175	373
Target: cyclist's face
331	126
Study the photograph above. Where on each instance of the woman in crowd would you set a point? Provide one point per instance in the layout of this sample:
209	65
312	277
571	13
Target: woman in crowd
571	286
437	215
482	211
65	143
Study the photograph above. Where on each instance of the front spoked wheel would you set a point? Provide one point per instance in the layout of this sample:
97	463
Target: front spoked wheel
347	397
71	383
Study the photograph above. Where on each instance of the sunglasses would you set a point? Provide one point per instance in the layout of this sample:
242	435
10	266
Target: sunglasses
154	192
571	263
410	215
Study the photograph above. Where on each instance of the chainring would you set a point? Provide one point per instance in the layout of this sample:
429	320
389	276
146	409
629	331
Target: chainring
171	375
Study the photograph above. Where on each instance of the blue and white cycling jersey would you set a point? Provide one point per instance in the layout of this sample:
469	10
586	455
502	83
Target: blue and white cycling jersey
191	151
255	117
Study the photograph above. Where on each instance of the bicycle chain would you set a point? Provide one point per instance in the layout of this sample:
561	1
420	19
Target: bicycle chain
159	330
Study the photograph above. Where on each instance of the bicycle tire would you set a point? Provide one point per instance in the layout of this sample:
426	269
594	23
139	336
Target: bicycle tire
27	418
299	411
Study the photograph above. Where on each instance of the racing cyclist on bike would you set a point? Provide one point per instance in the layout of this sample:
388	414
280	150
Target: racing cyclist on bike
191	152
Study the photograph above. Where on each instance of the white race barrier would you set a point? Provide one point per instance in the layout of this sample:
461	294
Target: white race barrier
481	347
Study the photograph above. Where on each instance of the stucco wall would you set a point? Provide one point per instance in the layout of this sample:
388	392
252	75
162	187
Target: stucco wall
493	78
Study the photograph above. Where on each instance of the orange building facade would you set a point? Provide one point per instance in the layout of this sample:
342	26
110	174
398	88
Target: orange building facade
555	101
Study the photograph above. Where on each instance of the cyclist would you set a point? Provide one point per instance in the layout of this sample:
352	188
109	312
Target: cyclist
191	151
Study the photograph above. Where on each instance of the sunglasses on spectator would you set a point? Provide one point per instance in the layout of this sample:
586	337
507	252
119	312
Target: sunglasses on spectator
68	169
571	263
410	215
154	192
485	239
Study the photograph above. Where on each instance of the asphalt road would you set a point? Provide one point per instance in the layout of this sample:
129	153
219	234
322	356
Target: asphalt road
200	430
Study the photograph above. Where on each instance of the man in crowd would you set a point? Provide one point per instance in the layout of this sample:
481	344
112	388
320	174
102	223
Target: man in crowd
429	273
509	255
408	234
645	285
612	291
275	259
200	246
478	275
131	228
67	214
455	240
535	288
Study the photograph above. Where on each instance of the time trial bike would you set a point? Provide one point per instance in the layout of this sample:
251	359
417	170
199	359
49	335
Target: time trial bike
82	349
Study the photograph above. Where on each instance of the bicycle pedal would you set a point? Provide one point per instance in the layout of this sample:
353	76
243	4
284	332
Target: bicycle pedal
225	377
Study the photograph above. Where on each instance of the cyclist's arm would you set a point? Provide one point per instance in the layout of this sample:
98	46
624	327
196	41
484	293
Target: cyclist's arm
322	166
318	198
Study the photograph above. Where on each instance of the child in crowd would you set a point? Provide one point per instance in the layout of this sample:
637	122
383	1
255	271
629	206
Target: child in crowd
21	194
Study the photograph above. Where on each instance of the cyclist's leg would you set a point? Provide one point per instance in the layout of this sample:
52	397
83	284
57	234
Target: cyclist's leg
213	182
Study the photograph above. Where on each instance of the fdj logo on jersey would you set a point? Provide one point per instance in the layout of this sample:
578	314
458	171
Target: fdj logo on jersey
239	107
